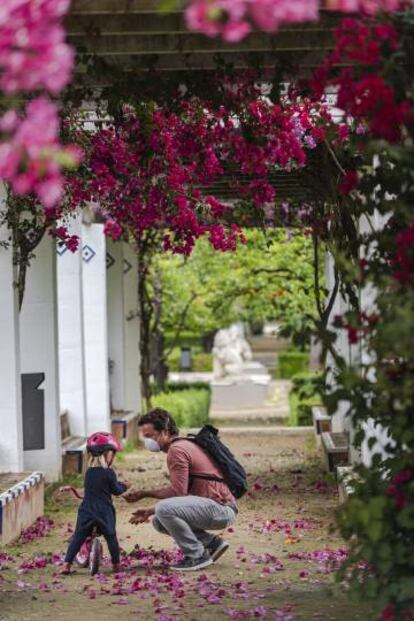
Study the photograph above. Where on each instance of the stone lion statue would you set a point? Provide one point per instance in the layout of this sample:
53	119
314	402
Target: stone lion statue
231	351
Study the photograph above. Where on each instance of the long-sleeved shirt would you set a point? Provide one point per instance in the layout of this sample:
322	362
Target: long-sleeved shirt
97	508
185	458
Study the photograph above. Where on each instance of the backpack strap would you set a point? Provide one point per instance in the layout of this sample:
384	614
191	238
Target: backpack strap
207	477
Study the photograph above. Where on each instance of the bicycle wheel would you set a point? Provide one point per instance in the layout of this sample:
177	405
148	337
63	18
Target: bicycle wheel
95	556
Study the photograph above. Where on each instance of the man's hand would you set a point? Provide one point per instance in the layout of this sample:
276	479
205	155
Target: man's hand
141	516
134	495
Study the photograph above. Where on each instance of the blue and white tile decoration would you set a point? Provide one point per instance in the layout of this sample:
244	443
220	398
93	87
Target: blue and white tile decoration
30	481
61	247
127	266
88	253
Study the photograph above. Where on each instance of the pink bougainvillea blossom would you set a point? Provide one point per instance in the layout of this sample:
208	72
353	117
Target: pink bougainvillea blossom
33	52
403	262
157	173
40	528
31	158
235	19
34	57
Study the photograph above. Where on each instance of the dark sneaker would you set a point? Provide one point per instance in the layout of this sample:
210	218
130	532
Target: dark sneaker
217	548
192	564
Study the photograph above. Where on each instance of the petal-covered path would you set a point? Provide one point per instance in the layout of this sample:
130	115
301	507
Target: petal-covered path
279	567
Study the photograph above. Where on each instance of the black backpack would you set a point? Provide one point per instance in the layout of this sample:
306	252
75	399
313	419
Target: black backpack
234	475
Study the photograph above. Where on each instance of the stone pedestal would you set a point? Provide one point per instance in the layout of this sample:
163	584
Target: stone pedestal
239	393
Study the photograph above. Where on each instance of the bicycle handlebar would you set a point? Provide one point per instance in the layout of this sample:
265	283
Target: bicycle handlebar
72	490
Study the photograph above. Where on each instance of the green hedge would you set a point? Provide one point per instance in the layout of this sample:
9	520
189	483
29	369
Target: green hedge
189	406
291	363
178	386
201	362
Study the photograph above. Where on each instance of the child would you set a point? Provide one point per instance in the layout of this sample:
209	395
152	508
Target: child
96	509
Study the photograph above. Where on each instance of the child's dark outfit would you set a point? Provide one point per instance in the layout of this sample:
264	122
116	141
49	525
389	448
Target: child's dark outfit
97	510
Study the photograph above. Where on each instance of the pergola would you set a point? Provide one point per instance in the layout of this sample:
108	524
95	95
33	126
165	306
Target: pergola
136	36
133	39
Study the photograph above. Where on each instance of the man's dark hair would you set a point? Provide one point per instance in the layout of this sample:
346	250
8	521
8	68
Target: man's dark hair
161	420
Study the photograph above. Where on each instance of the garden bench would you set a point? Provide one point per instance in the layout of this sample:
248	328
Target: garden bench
336	449
321	422
73	448
124	426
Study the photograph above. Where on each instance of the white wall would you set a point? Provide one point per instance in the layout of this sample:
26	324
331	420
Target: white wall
11	431
39	352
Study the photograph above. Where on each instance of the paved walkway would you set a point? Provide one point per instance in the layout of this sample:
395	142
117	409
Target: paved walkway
279	566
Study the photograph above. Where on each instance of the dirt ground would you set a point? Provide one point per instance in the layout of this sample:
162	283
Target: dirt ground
279	566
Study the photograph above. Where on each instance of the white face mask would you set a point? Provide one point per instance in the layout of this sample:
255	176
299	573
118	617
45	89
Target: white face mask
151	445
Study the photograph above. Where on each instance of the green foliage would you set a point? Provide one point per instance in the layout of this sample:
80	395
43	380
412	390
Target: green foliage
189	407
306	391
374	376
201	362
269	278
291	363
179	386
185	339
381	529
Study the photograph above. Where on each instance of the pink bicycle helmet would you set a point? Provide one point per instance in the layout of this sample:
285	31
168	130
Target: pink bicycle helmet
102	441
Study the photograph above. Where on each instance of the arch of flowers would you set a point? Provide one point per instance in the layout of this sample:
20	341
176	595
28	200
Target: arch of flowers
151	169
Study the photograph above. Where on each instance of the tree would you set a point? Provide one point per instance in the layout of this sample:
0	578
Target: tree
270	277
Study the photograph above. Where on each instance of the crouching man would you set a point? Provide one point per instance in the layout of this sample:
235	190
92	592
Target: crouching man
196	501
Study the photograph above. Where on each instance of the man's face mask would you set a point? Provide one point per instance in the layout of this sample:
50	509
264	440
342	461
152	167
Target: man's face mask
151	445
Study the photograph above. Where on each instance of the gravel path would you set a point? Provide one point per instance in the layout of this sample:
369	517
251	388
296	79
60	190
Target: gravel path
279	566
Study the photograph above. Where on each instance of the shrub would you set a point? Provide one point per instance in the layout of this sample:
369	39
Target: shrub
291	363
189	406
201	362
306	392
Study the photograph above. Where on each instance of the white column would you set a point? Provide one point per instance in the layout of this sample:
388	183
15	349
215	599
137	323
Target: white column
11	443
369	305
95	327
131	331
39	355
123	327
71	336
339	421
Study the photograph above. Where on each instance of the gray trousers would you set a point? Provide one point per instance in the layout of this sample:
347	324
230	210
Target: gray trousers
187	518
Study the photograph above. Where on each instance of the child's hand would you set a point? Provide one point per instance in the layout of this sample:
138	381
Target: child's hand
127	485
141	516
